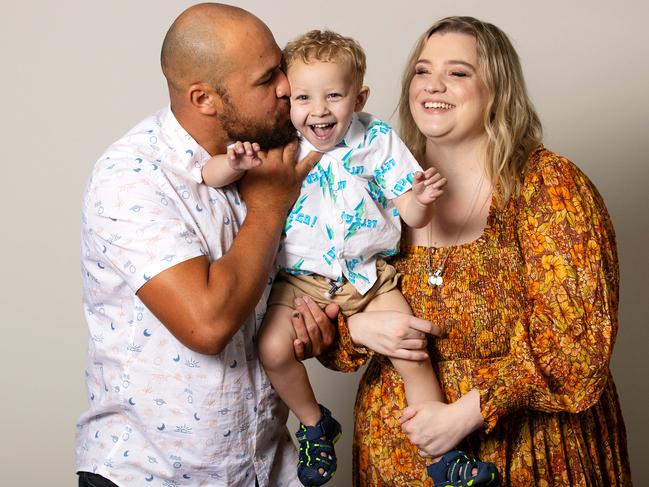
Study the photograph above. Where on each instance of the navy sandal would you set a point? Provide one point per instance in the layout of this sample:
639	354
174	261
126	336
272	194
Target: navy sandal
317	450
455	469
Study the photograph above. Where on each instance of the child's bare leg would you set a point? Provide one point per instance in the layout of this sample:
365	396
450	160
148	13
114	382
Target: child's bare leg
287	374
419	379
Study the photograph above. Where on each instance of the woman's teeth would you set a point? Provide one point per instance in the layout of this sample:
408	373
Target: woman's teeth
437	104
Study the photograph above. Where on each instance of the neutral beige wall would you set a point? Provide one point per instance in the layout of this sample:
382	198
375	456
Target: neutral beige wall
77	74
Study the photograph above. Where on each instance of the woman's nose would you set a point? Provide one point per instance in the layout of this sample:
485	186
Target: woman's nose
434	84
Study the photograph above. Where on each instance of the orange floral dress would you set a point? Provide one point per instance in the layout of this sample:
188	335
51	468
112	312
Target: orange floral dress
530	317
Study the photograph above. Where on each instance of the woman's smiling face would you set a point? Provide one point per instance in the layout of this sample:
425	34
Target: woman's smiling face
447	95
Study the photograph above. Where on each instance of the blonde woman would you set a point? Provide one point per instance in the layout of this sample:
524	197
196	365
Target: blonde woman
519	268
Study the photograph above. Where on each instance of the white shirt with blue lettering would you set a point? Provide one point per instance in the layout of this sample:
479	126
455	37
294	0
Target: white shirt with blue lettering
344	218
161	414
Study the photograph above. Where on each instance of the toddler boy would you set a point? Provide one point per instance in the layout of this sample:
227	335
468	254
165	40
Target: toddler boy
344	223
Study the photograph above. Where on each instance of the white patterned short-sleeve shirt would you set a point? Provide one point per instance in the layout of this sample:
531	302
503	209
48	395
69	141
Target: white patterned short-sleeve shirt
344	218
161	414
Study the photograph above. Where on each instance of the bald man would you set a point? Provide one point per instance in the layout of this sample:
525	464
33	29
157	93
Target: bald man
176	274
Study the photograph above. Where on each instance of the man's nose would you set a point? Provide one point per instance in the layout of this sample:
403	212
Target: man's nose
283	89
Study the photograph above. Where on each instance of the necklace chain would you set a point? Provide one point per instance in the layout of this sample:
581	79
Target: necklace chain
435	277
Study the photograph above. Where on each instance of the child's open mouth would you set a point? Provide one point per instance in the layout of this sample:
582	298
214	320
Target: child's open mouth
322	130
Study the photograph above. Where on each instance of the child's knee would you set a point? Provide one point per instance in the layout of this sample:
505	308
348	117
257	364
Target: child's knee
274	351
275	344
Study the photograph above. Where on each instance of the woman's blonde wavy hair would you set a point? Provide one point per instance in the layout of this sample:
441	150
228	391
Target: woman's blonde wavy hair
513	128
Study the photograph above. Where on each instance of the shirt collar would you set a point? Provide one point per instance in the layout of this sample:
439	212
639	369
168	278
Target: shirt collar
189	155
355	135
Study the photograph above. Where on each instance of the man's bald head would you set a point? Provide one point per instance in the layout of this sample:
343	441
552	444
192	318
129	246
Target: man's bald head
196	46
223	68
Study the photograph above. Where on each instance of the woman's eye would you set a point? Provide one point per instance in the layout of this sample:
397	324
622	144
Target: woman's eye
458	74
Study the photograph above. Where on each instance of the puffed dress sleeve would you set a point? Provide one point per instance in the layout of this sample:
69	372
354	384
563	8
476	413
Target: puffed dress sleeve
562	342
344	355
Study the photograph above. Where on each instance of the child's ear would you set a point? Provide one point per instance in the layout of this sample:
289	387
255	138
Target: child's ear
361	98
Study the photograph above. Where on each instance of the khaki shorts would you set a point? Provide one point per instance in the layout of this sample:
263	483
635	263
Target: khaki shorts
287	287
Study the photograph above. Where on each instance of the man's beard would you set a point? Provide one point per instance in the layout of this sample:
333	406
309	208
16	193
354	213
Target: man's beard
268	136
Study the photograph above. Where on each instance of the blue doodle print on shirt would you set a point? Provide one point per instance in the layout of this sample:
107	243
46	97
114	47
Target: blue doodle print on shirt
327	181
297	208
376	127
376	193
357	220
379	173
354	277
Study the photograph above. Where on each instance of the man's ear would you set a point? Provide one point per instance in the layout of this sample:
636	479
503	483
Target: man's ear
204	99
361	98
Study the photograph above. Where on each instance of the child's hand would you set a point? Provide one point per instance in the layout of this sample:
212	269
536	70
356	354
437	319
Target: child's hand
243	155
427	186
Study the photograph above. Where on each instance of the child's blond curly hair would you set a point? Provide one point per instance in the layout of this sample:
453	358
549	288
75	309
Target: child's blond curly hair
328	47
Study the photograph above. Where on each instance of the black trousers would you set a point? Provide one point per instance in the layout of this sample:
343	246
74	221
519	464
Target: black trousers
87	479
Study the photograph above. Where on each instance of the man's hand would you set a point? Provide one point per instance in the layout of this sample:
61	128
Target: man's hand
313	326
275	184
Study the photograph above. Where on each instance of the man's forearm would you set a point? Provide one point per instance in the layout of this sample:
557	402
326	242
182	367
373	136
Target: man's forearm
237	280
204	304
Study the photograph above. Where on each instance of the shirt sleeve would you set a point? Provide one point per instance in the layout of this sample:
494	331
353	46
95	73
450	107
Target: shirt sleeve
562	343
134	227
393	165
343	355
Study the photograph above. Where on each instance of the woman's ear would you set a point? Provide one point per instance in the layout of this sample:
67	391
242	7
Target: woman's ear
205	99
361	98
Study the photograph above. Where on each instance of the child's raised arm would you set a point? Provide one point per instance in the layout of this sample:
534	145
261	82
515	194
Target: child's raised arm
416	206
223	169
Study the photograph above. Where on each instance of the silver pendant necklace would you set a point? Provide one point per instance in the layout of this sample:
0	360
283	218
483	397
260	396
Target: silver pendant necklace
435	277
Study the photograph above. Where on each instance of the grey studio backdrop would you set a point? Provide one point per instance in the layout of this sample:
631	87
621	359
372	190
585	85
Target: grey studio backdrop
78	74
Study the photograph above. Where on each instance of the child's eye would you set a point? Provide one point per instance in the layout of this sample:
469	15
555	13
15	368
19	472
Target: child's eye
301	98
334	95
458	74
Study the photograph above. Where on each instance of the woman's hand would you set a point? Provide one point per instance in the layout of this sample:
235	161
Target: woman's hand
436	427
393	334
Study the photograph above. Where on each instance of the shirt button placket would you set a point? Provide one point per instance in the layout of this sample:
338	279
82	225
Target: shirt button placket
339	239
